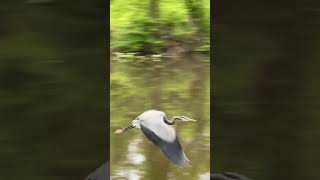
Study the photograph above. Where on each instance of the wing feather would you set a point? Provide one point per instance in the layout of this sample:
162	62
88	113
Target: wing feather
171	149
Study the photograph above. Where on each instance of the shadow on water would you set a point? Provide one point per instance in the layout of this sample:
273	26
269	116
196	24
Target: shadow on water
176	87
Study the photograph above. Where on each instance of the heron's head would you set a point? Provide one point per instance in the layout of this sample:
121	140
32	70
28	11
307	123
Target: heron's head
182	118
174	119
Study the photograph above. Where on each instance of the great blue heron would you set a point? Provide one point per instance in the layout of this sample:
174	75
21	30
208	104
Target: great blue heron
158	129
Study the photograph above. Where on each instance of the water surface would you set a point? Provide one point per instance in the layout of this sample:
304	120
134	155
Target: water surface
175	86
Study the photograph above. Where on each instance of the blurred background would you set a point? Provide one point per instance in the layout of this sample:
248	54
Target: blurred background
53	81
159	60
266	89
53	94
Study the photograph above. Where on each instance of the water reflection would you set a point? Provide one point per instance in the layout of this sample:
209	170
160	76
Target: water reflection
204	176
52	89
133	152
177	87
127	173
266	93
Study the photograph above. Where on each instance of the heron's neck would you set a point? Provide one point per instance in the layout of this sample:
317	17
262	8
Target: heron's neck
171	122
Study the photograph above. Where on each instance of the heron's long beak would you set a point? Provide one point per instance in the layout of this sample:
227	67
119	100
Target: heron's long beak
119	131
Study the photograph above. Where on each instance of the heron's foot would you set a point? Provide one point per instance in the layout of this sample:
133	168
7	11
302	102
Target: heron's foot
118	131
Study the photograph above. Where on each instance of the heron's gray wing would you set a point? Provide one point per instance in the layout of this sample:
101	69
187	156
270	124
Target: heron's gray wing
172	150
102	173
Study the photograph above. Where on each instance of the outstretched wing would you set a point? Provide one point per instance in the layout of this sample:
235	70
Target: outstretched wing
171	149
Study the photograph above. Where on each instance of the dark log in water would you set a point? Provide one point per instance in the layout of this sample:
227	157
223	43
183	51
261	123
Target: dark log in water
102	173
228	176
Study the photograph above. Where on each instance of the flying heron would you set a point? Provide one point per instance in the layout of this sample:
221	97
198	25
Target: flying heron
158	129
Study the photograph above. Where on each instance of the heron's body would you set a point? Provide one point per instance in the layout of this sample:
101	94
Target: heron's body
153	121
162	135
159	130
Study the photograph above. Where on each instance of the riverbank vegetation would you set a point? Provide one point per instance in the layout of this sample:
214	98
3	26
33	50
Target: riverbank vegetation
163	27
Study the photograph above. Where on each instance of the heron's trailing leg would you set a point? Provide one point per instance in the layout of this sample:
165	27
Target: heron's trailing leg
119	131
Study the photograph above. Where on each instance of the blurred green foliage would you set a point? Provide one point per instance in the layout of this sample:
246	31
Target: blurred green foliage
148	26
